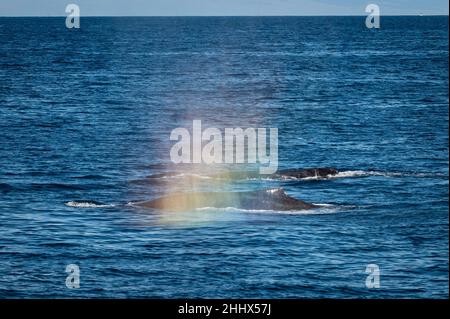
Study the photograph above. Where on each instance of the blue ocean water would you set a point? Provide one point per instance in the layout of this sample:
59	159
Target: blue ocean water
86	114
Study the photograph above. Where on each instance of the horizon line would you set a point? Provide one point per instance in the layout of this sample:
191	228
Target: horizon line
218	16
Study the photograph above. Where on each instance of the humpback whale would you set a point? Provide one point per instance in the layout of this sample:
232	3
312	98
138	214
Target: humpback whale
272	199
308	172
299	173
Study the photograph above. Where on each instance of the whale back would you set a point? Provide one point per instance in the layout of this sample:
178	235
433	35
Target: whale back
271	199
321	172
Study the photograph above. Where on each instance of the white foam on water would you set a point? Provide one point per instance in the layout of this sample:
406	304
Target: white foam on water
185	175
314	178
361	173
342	174
356	173
87	204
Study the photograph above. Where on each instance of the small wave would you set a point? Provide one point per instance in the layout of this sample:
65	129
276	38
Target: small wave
87	204
55	186
4	187
133	204
188	175
91	176
58	244
170	175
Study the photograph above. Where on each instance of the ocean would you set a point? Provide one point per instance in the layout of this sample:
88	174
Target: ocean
85	120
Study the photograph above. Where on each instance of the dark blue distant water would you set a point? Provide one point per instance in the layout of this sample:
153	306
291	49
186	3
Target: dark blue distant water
85	115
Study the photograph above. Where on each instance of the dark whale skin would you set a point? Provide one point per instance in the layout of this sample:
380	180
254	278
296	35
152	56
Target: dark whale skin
307	172
237	175
275	199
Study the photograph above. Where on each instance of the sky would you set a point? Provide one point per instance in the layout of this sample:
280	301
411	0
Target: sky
220	7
